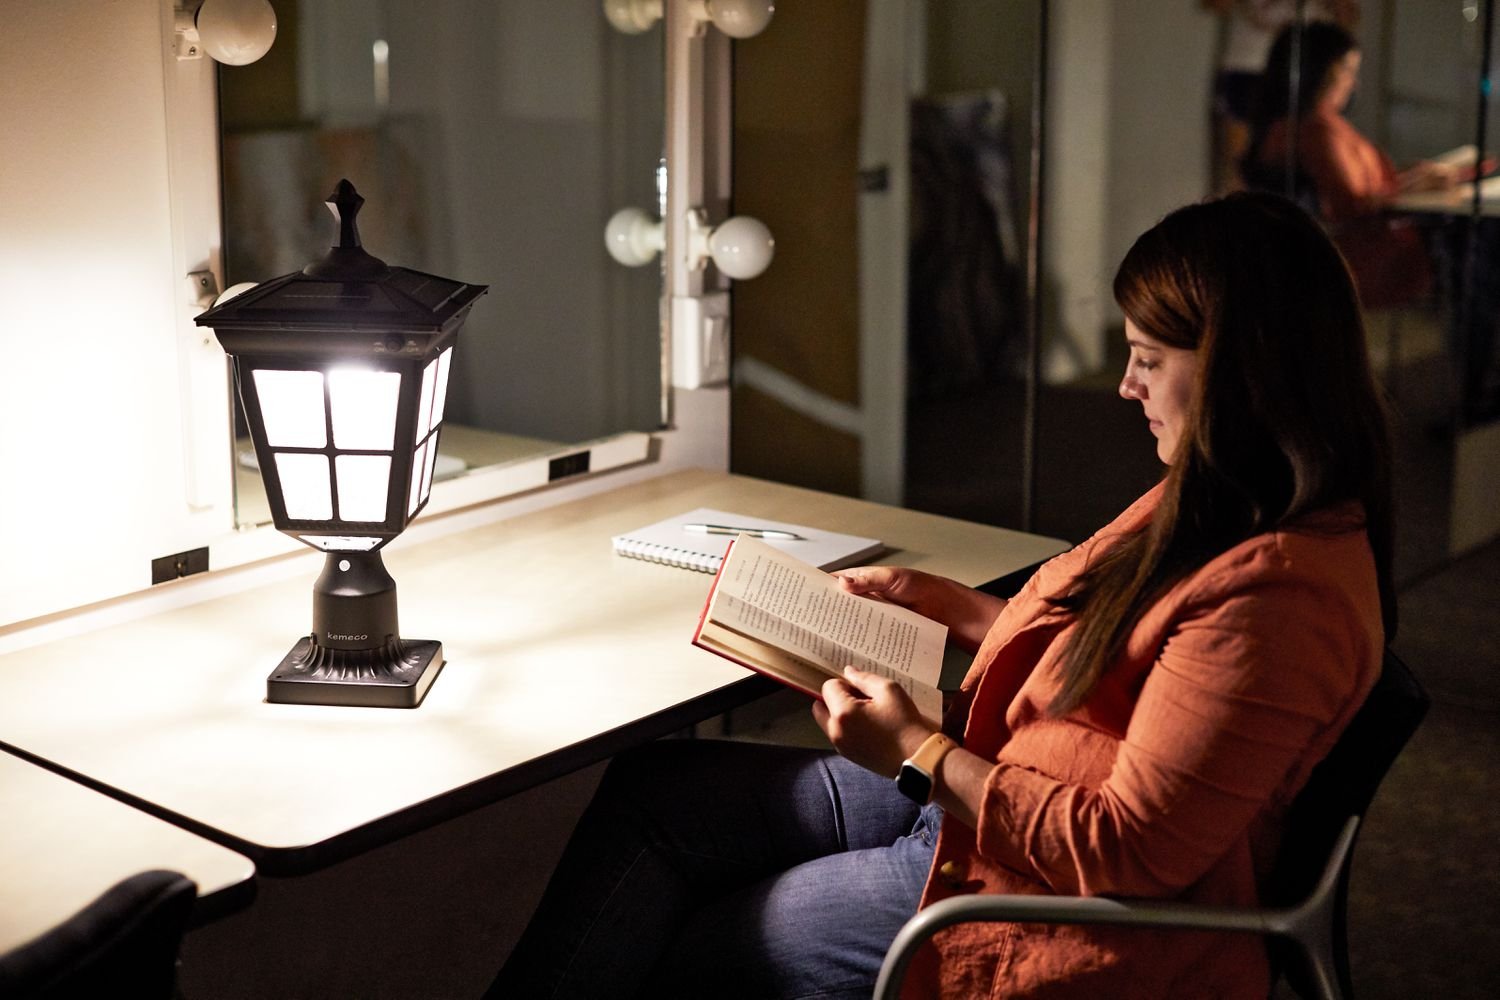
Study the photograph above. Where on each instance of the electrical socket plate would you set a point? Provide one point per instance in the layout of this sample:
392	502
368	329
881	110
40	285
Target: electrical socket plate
700	340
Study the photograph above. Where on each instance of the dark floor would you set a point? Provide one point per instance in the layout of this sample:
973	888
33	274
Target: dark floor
1425	889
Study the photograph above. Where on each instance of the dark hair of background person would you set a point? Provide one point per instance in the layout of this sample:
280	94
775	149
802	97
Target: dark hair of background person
1285	416
1323	45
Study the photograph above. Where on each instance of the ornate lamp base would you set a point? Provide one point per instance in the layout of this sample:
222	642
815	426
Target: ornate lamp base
395	676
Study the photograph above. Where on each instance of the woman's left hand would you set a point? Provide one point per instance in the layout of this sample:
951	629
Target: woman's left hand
870	720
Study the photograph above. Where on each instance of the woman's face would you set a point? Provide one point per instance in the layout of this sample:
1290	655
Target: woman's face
1342	78
1161	378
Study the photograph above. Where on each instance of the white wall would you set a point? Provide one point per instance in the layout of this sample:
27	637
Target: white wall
1076	163
95	307
1128	141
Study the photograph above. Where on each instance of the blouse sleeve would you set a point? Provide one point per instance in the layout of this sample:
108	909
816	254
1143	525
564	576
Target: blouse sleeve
1246	684
1335	157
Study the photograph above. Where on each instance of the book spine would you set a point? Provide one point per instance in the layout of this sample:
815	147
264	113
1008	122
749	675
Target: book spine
703	615
781	679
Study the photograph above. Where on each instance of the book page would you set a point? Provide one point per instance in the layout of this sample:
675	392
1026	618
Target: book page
1458	156
768	596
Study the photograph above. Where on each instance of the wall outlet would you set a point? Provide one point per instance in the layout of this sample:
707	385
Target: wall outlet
179	564
700	340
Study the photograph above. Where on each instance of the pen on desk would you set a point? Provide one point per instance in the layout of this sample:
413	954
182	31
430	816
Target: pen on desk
726	529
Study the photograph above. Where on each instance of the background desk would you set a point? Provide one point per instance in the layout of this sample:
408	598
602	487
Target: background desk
62	844
1457	202
559	655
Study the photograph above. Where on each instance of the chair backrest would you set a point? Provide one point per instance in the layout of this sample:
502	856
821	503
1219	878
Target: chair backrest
1343	785
124	942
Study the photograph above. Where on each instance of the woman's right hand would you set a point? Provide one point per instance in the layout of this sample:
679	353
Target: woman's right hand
967	612
1427	176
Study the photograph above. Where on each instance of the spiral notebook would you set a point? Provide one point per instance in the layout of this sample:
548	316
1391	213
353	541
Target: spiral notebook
671	543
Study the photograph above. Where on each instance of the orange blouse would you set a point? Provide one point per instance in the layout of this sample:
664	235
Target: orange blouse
1354	181
1352	176
1170	781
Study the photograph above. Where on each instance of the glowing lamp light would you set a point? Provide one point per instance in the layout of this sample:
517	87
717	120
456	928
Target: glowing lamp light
343	371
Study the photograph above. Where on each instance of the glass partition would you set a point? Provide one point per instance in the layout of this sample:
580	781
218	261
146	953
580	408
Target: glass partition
1392	115
910	138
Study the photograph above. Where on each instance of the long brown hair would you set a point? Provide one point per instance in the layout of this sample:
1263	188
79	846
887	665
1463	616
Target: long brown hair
1318	46
1284	418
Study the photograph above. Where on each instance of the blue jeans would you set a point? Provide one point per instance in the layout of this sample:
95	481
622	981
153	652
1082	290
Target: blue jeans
728	870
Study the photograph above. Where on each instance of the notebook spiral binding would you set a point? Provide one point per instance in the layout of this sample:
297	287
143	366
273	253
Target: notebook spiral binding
668	555
669	543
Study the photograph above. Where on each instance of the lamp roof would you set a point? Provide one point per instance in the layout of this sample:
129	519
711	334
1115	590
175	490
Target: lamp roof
348	291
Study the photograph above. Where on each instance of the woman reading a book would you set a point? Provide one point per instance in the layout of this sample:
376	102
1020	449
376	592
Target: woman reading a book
1352	181
1135	721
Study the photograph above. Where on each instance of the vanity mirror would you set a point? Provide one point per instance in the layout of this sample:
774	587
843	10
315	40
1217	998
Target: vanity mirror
497	139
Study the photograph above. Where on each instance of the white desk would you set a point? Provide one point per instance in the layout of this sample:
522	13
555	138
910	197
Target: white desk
1459	201
62	844
559	654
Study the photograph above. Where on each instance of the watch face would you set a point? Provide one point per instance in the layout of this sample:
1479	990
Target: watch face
914	783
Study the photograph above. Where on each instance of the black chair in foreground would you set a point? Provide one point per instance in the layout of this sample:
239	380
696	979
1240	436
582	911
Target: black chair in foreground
124	943
1305	916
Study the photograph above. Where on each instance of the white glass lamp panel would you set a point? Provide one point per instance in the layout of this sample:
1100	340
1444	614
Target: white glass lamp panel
432	452
364	484
341	543
440	397
305	487
424	414
291	407
363	405
418	463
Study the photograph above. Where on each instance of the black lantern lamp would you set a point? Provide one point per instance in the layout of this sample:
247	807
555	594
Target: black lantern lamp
343	371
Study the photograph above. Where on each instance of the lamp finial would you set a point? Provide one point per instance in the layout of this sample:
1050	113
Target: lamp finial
346	260
345	203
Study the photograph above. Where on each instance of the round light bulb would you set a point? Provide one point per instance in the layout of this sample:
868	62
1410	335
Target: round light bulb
741	247
632	17
236	32
740	18
632	237
233	290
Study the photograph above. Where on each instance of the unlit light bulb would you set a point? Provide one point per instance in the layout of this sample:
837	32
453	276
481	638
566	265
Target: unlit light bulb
236	32
633	238
233	290
735	18
741	247
739	18
632	17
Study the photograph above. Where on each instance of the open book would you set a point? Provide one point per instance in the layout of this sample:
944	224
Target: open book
1466	160
781	617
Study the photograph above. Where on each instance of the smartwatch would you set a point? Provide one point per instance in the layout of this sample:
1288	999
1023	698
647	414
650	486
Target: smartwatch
916	779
